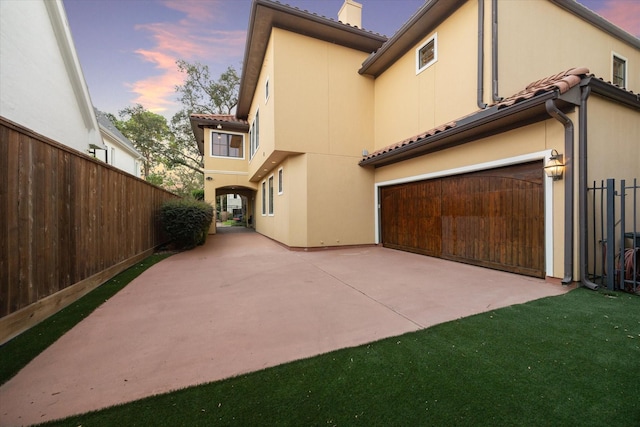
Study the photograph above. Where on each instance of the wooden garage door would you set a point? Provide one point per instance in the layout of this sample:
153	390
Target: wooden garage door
492	218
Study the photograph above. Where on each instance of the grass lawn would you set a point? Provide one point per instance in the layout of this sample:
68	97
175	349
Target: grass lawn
561	361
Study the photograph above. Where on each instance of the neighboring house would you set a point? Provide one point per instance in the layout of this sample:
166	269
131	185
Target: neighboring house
436	142
119	151
41	83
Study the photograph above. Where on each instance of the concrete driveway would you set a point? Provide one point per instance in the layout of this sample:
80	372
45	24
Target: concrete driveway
242	303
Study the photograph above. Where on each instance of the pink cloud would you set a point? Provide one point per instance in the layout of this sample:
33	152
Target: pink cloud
193	38
624	13
194	9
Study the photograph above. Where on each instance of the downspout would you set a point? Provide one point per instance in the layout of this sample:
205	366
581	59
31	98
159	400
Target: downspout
554	112
480	99
494	51
582	190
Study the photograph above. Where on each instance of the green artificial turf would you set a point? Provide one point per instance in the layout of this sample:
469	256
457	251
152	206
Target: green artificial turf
560	361
19	351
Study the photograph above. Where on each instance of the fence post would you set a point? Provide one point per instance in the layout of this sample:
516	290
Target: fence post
622	237
611	237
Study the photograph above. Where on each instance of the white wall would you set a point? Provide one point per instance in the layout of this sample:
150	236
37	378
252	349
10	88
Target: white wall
41	83
122	159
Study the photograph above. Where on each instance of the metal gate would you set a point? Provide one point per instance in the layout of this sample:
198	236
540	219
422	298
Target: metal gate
613	235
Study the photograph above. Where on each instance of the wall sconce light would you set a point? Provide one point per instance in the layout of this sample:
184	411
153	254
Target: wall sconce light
554	167
209	178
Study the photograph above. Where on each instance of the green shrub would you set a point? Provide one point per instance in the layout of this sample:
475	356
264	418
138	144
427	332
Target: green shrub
198	194
186	221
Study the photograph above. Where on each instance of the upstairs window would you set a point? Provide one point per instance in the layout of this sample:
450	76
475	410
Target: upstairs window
227	145
427	54
264	198
271	195
280	184
619	77
266	91
254	135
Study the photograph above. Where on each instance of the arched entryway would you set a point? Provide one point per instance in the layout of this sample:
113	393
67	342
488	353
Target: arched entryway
235	207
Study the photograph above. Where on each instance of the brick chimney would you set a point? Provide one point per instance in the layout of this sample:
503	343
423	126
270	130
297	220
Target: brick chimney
351	13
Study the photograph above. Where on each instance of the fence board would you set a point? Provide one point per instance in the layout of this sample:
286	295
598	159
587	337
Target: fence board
65	217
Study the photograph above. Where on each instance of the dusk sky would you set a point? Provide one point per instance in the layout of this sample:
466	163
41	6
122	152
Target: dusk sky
128	48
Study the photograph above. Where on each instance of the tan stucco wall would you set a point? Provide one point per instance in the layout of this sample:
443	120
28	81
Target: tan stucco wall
265	107
321	106
562	41
226	173
324	106
407	104
613	151
613	147
340	202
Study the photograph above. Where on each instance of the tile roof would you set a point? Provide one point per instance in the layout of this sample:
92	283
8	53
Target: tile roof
229	118
561	82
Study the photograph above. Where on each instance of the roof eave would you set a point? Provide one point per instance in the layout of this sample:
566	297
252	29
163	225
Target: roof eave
608	90
126	147
480	125
266	15
198	125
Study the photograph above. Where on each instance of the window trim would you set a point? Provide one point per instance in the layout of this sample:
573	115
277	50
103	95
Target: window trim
615	56
270	198
254	135
212	131
264	197
433	38
280	183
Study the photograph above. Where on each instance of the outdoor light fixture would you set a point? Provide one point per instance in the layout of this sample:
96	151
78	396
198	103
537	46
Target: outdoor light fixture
219	127
554	167
209	178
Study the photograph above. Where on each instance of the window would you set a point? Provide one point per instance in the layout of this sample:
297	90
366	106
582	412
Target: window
113	155
619	71
280	185
254	135
271	195
227	145
266	91
427	54
264	198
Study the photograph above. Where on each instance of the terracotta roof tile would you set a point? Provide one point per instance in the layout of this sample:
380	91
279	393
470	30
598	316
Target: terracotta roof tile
412	140
229	118
562	82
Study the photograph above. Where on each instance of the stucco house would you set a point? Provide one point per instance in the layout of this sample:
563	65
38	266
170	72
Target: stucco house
435	140
119	151
42	86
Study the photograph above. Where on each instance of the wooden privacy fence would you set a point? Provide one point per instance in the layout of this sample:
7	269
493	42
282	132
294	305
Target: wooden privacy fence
67	224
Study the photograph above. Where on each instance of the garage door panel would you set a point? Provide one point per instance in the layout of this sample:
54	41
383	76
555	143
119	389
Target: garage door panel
491	218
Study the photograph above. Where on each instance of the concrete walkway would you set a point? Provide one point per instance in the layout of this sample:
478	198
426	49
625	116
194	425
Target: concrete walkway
242	303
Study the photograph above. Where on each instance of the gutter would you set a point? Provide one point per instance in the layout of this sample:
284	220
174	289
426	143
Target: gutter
554	112
480	99
582	185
